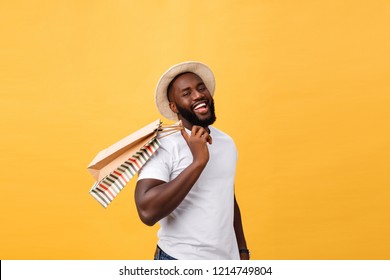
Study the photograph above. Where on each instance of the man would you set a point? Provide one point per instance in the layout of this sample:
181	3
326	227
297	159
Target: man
188	184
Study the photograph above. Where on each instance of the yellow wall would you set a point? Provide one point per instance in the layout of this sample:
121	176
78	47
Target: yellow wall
302	86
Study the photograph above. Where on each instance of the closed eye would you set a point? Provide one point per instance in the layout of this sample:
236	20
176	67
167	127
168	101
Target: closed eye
202	87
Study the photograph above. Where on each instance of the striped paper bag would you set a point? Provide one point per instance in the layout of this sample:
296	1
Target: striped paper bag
114	167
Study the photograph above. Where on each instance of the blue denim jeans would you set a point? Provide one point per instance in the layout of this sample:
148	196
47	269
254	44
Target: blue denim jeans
161	255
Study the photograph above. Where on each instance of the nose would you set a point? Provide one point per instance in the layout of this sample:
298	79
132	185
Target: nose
197	94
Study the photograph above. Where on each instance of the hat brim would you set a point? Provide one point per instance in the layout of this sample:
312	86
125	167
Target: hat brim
198	68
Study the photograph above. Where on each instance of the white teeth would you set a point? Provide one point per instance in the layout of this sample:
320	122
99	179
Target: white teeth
200	105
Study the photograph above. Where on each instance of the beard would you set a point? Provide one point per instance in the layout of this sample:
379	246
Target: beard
190	116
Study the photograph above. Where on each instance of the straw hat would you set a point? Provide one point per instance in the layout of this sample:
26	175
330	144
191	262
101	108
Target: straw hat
198	68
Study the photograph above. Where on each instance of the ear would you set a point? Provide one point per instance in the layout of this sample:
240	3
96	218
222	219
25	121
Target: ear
173	107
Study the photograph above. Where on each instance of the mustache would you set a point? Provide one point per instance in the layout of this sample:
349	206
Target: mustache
191	117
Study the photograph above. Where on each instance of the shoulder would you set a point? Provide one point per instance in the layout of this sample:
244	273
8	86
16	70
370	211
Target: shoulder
172	144
222	139
170	141
219	134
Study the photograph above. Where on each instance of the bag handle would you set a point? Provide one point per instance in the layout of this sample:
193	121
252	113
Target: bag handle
165	130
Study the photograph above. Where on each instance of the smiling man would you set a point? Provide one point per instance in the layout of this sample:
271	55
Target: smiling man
188	184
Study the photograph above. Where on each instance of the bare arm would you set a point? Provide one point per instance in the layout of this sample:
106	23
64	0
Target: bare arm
155	199
239	231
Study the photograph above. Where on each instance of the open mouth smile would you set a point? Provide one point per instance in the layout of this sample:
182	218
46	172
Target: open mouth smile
201	107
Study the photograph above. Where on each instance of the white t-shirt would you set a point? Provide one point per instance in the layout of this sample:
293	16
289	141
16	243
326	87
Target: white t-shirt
201	227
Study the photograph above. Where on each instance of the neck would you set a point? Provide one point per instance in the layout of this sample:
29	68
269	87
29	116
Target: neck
189	125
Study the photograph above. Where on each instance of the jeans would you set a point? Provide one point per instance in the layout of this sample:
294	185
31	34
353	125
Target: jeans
161	255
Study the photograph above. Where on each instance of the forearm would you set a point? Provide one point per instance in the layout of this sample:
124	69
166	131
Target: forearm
159	201
238	228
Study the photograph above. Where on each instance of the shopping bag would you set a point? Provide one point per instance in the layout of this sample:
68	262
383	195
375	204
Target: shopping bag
114	167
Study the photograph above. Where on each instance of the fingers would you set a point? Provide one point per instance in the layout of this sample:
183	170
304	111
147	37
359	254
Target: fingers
198	132
210	140
202	133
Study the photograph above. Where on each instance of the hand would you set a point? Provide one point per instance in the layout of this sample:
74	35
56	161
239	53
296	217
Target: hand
197	142
244	256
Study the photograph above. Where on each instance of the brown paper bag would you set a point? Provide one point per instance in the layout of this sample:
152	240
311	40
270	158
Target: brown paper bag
108	159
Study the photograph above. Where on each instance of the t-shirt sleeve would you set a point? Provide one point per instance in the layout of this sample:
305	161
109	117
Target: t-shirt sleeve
157	167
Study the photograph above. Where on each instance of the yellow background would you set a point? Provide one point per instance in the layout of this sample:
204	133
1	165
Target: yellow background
302	86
